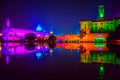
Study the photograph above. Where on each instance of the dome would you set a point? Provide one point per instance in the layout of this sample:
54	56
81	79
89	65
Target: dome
38	28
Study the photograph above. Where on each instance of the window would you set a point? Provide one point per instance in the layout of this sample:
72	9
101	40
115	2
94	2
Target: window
85	26
101	23
95	28
91	29
102	28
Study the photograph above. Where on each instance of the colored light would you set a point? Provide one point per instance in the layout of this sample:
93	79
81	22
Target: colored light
101	72
51	50
99	39
51	32
99	35
0	34
38	35
99	45
101	15
103	26
101	11
7	59
101	68
8	23
46	36
38	54
38	28
38	47
99	48
102	57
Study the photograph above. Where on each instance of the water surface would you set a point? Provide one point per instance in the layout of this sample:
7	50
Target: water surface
62	61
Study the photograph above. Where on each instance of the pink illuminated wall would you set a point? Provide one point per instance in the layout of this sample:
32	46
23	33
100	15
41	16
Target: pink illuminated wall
18	34
18	48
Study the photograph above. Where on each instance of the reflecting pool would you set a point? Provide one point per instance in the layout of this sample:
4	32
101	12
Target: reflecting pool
60	61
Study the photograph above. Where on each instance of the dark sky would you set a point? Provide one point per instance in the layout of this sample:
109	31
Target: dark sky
61	16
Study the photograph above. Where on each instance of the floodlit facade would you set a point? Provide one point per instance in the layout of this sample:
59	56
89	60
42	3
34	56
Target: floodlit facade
97	31
93	31
15	34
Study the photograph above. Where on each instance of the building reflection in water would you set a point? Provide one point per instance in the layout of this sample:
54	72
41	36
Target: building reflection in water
90	53
39	49
93	53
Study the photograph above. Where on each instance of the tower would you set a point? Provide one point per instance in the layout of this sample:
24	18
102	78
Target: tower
101	12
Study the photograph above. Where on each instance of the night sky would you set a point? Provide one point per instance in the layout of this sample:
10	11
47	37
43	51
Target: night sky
60	16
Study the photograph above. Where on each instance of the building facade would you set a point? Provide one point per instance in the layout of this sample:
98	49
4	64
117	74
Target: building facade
97	31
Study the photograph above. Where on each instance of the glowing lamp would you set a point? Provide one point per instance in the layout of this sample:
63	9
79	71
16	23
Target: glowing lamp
0	34
38	35
51	32
51	50
46	35
38	47
38	28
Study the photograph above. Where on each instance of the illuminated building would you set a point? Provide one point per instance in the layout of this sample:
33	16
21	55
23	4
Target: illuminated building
83	46
13	34
18	48
97	31
92	53
68	38
93	31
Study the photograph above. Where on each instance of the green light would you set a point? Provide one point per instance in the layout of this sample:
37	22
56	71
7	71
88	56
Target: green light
99	39
118	61
101	11
103	26
101	15
106	57
101	69
101	72
99	44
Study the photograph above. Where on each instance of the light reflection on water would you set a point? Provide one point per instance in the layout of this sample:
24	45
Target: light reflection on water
64	55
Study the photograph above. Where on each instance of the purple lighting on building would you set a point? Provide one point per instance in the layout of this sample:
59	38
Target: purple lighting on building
99	35
17	48
38	35
8	23
99	48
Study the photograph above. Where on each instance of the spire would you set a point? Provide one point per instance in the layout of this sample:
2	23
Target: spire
101	11
8	23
